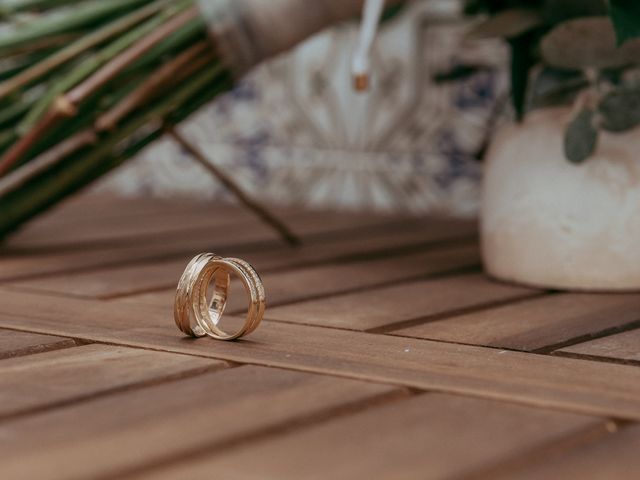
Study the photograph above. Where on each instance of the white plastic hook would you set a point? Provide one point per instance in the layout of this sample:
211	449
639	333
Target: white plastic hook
361	62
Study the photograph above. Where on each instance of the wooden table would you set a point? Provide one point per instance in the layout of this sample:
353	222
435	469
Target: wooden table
385	353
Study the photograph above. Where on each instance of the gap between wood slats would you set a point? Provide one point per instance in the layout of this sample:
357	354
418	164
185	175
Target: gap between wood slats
577	342
596	358
15	343
37	373
427	436
608	457
537	380
314	224
540	324
283	287
270	253
391	328
620	347
212	412
510	467
229	444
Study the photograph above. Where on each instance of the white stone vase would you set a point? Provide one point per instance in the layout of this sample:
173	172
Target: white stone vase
548	223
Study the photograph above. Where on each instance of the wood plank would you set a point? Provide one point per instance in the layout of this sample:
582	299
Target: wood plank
397	304
621	346
15	344
111	435
127	229
281	286
611	457
245	240
44	380
105	231
563	383
536	323
81	209
430	436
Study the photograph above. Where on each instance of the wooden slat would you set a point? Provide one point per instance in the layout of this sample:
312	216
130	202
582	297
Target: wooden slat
15	344
122	229
536	323
299	285
179	247
399	303
612	457
60	376
281	287
622	346
578	385
84	207
148	228
431	436
208	413
324	238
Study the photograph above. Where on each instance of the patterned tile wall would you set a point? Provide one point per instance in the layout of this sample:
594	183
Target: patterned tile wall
294	132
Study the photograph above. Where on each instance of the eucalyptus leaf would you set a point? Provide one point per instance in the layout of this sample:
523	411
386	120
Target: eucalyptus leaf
507	23
625	15
620	109
581	137
588	42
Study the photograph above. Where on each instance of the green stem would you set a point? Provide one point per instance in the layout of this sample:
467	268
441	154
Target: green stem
85	14
49	63
74	173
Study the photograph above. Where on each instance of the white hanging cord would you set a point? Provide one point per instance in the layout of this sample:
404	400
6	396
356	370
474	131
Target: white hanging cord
361	62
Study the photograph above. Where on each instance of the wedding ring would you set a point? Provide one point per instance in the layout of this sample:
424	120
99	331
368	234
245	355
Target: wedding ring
197	315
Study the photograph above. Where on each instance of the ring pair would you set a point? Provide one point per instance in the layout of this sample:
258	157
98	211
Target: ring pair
198	315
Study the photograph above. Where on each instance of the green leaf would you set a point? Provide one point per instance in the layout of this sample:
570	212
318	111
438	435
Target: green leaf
620	109
581	137
625	15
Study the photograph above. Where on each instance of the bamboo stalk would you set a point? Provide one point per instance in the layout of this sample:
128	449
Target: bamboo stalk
83	14
87	67
22	147
10	7
76	172
51	157
112	68
82	45
117	56
244	198
172	71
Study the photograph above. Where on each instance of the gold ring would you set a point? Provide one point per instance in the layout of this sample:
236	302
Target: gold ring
197	315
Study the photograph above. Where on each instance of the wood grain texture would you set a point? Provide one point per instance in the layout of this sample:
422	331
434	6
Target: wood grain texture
108	436
399	303
622	346
535	323
431	436
324	239
282	286
612	457
38	381
578	385
384	355
15	344
87	207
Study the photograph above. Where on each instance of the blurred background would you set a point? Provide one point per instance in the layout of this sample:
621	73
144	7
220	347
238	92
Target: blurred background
294	132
